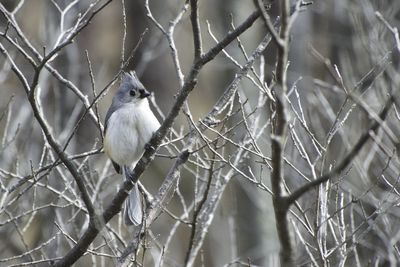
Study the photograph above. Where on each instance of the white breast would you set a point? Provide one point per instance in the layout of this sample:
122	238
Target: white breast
128	130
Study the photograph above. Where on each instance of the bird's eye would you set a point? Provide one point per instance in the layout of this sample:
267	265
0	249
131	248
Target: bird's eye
132	92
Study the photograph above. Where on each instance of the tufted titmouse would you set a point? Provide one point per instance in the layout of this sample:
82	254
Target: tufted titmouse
129	125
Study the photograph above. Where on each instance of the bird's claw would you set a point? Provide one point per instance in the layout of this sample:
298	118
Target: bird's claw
148	146
128	174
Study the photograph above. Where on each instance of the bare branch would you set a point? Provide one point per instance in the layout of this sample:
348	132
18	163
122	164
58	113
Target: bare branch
346	160
393	30
194	16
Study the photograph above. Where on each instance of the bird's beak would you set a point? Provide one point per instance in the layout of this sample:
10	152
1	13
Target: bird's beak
144	93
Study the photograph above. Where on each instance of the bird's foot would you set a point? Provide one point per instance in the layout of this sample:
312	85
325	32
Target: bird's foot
148	146
128	173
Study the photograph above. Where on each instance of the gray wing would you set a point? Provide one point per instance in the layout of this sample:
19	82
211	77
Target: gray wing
110	111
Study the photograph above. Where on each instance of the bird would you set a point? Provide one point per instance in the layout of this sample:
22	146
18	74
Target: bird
129	126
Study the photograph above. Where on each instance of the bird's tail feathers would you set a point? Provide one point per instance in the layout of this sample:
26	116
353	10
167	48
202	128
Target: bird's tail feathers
133	212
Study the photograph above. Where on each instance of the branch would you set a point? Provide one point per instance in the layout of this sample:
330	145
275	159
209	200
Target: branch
79	26
393	30
46	130
229	38
59	150
346	161
43	123
194	17
190	254
268	23
279	133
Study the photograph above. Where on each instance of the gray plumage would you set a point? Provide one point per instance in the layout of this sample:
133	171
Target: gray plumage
129	126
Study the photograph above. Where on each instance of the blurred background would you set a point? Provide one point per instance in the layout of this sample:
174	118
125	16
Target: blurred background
353	220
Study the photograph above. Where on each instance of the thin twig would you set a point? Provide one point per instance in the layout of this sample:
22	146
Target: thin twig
346	160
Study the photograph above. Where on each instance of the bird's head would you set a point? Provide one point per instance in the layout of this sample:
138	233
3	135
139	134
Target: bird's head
131	89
